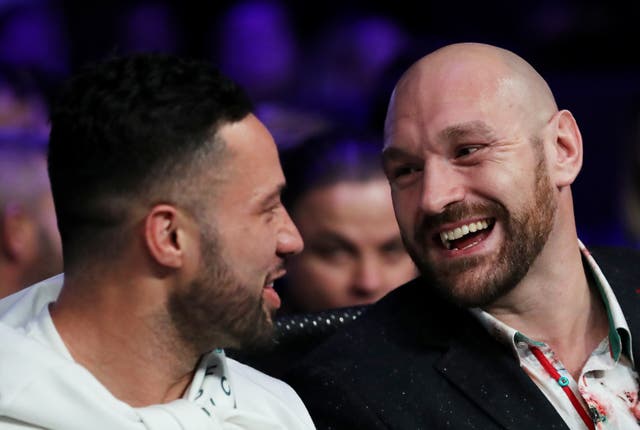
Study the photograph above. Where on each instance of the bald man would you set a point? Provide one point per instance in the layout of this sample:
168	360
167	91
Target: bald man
513	323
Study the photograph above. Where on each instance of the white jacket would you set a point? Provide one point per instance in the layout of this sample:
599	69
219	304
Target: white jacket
42	387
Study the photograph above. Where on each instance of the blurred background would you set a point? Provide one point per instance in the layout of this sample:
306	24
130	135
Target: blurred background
308	65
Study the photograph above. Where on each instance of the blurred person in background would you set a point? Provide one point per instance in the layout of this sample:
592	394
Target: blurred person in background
340	200
343	74
256	45
30	248
34	41
23	102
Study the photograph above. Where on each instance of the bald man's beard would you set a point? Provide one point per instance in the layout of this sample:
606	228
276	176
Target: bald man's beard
216	310
477	281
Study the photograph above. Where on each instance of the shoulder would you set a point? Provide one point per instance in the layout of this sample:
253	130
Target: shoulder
411	314
388	354
252	379
621	268
7	423
17	309
260	392
410	322
617	260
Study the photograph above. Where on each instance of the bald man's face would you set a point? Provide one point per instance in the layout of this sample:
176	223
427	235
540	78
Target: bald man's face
469	181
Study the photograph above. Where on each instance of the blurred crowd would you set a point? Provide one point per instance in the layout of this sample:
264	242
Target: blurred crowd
196	217
312	70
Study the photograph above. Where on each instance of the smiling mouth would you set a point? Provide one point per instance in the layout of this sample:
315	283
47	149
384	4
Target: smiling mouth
467	235
271	279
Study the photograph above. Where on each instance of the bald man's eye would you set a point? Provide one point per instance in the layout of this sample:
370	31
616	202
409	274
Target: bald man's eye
465	151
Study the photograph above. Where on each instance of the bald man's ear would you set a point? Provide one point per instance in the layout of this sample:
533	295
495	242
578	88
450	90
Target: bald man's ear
165	237
566	154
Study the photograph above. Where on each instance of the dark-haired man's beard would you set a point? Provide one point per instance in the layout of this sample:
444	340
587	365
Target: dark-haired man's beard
477	281
216	310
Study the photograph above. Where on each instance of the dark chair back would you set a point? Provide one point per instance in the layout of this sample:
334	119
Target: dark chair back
295	336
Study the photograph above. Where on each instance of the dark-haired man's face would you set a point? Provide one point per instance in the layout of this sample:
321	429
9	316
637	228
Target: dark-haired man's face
245	238
216	309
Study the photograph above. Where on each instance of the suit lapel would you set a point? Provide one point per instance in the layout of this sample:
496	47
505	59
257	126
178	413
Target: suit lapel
488	373
622	269
490	376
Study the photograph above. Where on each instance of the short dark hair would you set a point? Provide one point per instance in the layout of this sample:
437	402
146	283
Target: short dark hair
130	130
330	158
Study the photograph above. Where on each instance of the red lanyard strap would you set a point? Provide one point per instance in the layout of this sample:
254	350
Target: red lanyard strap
563	381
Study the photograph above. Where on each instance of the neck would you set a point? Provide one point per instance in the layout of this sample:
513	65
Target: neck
120	332
555	304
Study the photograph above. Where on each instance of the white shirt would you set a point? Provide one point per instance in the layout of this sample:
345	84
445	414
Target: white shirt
608	383
41	386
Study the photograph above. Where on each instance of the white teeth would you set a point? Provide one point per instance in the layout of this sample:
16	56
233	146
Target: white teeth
458	232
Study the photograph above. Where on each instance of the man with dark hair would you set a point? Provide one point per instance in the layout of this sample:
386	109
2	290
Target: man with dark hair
341	203
167	191
513	324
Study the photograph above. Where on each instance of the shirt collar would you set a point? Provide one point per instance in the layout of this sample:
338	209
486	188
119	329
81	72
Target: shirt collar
619	333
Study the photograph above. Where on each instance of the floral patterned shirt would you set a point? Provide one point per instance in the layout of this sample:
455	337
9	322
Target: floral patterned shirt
608	384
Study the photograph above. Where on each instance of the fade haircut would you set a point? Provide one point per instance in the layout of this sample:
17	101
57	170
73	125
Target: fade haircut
327	159
132	132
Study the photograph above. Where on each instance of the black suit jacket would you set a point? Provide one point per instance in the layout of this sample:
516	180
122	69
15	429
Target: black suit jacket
415	361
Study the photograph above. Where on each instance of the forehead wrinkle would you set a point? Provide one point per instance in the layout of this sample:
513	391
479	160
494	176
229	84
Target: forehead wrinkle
464	130
503	83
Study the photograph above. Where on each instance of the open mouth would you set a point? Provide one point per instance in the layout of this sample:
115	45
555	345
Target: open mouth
269	294
268	283
467	235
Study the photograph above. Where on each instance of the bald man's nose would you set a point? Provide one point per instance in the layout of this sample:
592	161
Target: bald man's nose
442	185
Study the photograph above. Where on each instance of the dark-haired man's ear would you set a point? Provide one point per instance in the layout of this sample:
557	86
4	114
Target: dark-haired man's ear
165	236
566	160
